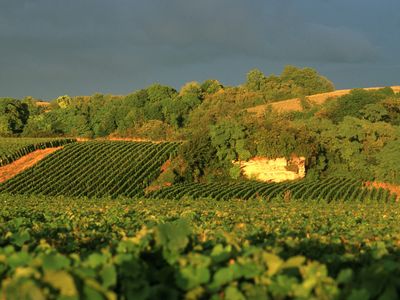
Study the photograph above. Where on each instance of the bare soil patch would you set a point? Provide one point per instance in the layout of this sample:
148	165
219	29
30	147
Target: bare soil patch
25	162
388	186
42	103
80	139
159	182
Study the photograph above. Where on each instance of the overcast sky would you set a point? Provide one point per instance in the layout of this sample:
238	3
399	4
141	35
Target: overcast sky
79	47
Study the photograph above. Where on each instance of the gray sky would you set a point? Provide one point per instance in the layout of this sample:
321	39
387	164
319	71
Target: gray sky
79	47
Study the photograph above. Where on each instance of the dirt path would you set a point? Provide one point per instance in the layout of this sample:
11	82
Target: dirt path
295	103
25	162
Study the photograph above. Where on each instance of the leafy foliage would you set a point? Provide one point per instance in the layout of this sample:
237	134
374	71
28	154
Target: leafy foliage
357	103
342	137
389	171
293	82
94	169
229	138
73	248
13	116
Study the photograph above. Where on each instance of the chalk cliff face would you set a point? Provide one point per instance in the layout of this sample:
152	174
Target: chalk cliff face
273	170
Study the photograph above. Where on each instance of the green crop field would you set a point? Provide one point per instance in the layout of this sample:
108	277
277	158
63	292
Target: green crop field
79	225
79	248
13	148
330	189
109	168
94	169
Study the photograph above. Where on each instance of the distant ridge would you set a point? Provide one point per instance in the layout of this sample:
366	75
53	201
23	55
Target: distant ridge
294	104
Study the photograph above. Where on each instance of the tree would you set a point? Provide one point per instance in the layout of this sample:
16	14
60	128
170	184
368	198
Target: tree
211	86
350	147
177	110
137	99
375	112
13	116
229	138
154	130
353	103
255	80
40	126
159	93
32	107
64	101
392	106
388	170
191	88
307	79
103	115
198	154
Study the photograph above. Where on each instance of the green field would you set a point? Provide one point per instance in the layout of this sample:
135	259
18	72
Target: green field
109	168
80	225
13	148
330	189
70	248
98	168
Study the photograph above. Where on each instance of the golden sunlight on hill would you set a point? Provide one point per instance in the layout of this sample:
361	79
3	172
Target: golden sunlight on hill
295	103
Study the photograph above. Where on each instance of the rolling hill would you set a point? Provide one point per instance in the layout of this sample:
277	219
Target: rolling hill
94	169
295	103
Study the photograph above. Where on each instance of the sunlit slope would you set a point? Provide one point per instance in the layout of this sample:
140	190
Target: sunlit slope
295	103
12	148
98	168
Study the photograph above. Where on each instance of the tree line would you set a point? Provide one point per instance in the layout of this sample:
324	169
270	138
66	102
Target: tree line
354	135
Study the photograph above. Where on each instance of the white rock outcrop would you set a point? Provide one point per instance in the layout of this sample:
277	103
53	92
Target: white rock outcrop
273	170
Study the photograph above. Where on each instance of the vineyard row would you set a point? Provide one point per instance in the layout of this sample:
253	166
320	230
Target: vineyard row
329	189
94	169
24	150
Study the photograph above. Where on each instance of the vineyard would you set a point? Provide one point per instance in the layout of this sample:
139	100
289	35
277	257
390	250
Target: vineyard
330	189
62	237
94	169
12	149
78	248
105	168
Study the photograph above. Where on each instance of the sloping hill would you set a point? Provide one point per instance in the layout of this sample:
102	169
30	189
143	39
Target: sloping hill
25	162
295	103
12	149
97	168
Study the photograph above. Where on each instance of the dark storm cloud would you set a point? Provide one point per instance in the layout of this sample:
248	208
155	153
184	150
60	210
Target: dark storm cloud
53	47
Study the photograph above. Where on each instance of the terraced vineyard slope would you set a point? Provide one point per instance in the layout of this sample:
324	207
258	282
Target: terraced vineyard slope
25	162
94	169
12	149
329	189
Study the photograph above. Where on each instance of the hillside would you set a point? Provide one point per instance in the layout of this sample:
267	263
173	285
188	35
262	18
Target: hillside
295	103
211	118
98	219
94	169
126	168
25	162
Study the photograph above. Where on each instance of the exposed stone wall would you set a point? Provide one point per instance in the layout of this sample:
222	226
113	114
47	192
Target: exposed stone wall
273	170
